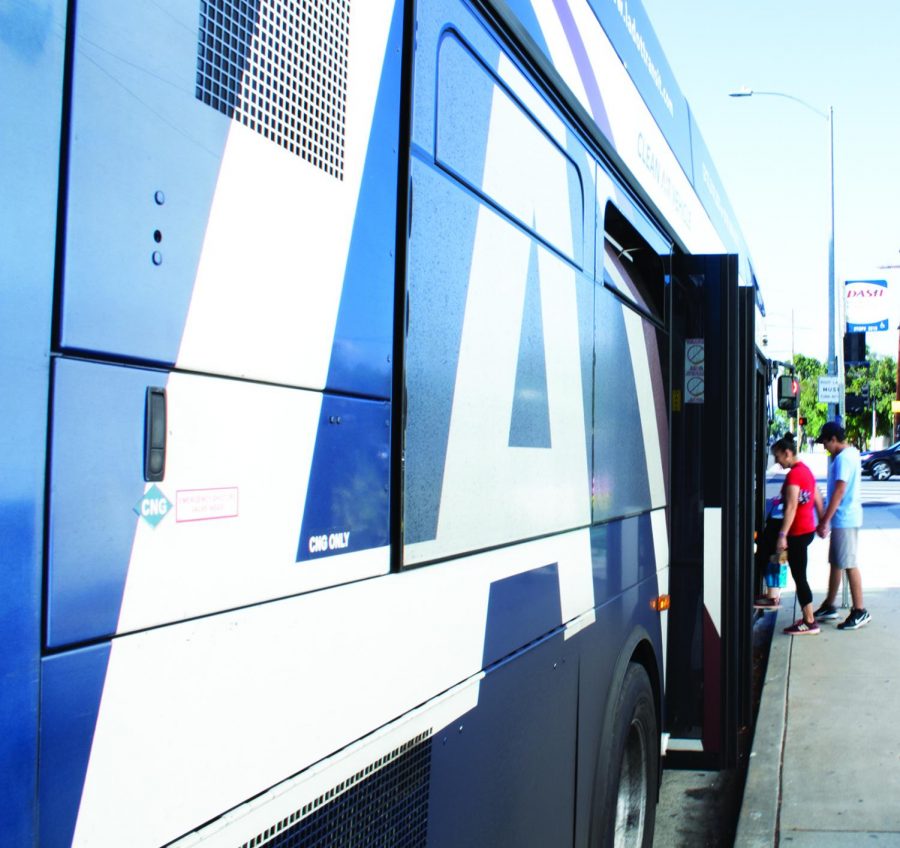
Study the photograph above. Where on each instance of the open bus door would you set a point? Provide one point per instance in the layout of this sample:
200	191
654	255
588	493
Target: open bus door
715	436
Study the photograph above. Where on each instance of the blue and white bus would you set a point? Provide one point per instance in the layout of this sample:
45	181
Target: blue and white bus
379	390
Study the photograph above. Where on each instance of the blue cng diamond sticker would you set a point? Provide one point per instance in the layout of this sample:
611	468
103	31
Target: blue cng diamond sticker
153	507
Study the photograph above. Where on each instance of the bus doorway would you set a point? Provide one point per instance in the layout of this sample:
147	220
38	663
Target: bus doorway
714	435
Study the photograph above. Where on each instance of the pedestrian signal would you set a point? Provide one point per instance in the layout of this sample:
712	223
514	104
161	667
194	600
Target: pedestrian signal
802	420
788	393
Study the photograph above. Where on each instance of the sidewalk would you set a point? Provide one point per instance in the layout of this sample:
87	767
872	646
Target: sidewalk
825	764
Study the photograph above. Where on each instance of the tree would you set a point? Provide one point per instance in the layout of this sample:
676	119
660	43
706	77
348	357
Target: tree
779	423
881	377
809	369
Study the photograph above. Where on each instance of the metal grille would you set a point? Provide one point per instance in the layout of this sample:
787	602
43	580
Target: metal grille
280	68
383	806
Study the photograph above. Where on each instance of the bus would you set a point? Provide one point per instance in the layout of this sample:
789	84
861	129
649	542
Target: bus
381	400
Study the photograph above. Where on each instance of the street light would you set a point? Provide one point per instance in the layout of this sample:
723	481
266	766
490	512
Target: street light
835	351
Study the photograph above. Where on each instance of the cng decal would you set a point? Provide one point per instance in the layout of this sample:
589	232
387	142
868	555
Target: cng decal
329	542
153	507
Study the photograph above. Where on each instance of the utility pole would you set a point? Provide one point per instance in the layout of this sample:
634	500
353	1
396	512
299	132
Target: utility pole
871	396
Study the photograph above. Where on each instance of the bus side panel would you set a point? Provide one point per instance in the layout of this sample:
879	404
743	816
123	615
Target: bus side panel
268	491
32	45
502	774
96	481
507	772
71	688
144	158
361	353
242	189
489	761
198	717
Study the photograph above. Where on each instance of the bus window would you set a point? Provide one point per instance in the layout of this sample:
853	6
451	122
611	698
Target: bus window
522	170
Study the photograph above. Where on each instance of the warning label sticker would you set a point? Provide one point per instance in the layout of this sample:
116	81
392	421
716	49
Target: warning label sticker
206	504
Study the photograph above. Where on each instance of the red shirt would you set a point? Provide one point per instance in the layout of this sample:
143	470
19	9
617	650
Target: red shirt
805	516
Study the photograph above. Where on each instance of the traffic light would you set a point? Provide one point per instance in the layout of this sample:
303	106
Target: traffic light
857	402
855	349
802	420
788	393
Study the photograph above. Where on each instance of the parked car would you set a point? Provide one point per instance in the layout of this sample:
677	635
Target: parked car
881	464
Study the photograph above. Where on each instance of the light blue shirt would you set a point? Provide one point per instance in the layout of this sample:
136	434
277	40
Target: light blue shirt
845	466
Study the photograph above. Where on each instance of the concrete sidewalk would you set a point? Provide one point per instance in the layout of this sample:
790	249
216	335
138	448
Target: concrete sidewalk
825	763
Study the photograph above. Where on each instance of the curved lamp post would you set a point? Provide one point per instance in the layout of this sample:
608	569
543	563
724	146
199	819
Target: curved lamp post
835	351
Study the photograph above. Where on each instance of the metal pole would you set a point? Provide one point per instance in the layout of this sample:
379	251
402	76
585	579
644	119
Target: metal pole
835	334
874	418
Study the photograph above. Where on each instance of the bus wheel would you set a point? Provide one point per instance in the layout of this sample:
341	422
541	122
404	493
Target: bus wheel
629	810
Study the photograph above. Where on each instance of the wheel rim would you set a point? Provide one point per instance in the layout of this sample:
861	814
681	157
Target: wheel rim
881	471
631	804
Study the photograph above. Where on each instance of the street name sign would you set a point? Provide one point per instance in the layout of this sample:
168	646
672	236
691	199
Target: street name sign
829	389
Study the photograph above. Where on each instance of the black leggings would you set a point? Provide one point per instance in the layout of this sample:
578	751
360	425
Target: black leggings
797	546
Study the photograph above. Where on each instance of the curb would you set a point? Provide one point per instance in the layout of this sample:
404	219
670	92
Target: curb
757	825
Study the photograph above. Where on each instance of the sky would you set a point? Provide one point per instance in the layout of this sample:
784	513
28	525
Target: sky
772	153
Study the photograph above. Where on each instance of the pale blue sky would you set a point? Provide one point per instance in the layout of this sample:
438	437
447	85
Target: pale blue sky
771	153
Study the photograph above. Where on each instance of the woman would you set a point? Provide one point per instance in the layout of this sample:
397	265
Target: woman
802	510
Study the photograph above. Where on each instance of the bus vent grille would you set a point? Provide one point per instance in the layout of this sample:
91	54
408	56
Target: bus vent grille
385	805
280	68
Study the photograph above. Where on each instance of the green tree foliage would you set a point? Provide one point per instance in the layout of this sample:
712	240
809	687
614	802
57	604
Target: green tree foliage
881	377
809	369
779	423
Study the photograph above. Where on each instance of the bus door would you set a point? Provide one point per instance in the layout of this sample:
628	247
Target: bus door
708	692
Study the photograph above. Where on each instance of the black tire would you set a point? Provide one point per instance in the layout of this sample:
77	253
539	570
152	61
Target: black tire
628	777
881	471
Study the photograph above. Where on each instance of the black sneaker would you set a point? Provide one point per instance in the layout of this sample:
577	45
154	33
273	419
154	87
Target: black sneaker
825	613
857	618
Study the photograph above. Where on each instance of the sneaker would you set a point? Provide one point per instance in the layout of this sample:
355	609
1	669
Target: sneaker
857	618
825	613
767	603
801	628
